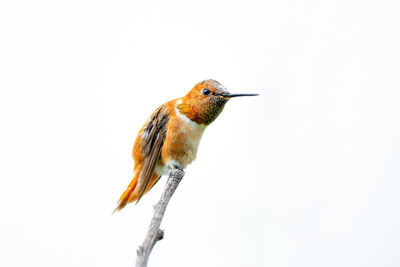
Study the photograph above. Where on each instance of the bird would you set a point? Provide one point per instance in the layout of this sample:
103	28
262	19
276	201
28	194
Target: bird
171	135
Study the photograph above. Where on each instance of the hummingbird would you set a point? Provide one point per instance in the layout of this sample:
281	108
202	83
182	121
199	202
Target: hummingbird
171	136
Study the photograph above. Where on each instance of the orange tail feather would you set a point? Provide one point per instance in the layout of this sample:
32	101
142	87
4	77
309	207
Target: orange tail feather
130	194
124	199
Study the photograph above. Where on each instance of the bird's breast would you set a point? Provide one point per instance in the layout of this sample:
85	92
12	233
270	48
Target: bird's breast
182	139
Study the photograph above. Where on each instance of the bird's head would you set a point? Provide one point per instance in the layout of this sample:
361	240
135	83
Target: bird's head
206	101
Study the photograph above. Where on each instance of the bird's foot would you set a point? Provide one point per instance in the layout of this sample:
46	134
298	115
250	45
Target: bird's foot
178	166
172	164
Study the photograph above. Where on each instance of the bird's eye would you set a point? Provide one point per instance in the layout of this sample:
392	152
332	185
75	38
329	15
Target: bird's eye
206	91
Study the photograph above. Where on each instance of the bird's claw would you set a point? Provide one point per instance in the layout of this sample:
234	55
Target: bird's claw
178	166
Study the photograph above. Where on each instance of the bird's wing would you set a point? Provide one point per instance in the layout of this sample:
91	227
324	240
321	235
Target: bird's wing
154	136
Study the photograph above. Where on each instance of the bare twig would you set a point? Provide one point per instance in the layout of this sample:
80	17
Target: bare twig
154	233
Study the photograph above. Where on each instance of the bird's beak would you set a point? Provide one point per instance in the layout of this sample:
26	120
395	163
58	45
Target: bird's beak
236	95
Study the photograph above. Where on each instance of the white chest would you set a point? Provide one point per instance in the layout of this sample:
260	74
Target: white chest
192	130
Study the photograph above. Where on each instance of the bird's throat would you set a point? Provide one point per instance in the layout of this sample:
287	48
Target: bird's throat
191	112
201	114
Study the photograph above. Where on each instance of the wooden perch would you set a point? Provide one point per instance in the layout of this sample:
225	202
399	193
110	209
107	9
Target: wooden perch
154	233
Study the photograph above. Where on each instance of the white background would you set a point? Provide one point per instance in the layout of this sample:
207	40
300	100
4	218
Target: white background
307	174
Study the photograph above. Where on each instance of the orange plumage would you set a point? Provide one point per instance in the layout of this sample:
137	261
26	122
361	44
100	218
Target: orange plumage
171	136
